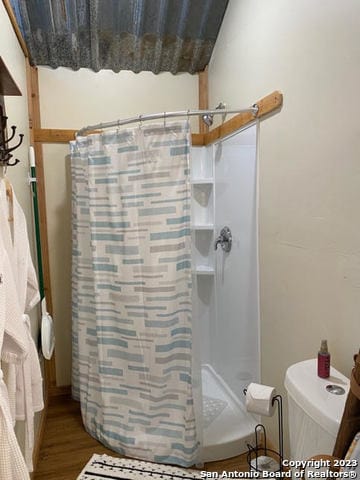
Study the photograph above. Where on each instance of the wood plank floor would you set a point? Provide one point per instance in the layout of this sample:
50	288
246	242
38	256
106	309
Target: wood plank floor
67	447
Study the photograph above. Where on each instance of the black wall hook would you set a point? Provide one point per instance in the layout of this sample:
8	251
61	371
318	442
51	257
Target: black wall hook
13	128
5	149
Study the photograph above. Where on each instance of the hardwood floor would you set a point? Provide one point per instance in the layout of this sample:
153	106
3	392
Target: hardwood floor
67	447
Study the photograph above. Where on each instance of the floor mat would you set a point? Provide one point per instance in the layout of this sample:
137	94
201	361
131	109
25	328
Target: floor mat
104	467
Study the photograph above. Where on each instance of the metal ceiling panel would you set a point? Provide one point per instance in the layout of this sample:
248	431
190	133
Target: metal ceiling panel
138	35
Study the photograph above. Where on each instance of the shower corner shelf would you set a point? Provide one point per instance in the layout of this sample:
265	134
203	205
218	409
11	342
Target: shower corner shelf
203	212
203	226
204	270
202	181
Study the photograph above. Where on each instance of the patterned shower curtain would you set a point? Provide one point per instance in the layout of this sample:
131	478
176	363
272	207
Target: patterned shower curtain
132	332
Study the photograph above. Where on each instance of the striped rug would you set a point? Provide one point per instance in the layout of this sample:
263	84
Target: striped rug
104	467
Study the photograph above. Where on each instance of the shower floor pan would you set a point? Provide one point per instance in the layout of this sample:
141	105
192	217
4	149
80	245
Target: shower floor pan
228	427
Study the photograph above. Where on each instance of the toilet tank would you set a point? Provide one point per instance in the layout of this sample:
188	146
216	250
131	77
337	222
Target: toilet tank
314	412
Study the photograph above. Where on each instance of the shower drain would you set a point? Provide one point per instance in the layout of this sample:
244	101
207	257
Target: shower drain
212	408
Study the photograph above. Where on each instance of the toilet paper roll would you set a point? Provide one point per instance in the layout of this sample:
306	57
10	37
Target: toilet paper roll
259	399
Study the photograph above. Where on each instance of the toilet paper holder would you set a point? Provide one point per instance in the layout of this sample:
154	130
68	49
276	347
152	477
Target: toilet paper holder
259	452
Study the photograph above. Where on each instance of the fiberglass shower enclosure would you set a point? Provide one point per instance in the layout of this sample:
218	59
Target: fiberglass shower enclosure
225	288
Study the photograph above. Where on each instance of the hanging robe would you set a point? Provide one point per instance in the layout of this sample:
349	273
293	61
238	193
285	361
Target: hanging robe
24	379
14	348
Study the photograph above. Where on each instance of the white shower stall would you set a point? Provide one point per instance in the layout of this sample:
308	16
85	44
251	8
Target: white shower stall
226	288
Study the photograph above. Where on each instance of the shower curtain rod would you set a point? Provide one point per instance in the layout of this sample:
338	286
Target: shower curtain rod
164	115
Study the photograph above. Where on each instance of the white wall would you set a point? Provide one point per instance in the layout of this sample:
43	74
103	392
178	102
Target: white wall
309	169
71	99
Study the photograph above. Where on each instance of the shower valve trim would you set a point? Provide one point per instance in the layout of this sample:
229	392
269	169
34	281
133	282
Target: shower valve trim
224	240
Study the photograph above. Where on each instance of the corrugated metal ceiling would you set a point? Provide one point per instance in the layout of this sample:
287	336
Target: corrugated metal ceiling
138	35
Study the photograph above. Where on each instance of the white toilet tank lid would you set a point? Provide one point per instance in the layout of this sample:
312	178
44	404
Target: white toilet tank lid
309	392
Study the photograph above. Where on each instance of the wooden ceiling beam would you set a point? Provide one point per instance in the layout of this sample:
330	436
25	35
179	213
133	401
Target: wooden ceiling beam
11	14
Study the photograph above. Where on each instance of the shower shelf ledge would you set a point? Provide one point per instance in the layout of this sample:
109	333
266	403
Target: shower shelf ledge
202	181
203	226
204	270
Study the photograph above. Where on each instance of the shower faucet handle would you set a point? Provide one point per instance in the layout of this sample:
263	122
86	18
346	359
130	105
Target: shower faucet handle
224	240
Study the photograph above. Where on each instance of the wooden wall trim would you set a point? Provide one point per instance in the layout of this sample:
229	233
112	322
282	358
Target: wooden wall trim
53	135
203	97
35	123
15	26
267	105
198	139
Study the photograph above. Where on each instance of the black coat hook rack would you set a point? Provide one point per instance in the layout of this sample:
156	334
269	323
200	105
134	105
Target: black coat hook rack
5	149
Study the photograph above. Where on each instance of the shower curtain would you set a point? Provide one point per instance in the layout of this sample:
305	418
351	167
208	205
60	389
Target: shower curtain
132	325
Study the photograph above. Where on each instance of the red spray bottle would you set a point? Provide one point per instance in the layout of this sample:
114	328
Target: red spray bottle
324	360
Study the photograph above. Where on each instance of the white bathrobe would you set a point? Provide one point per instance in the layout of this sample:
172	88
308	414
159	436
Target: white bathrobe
13	347
24	380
